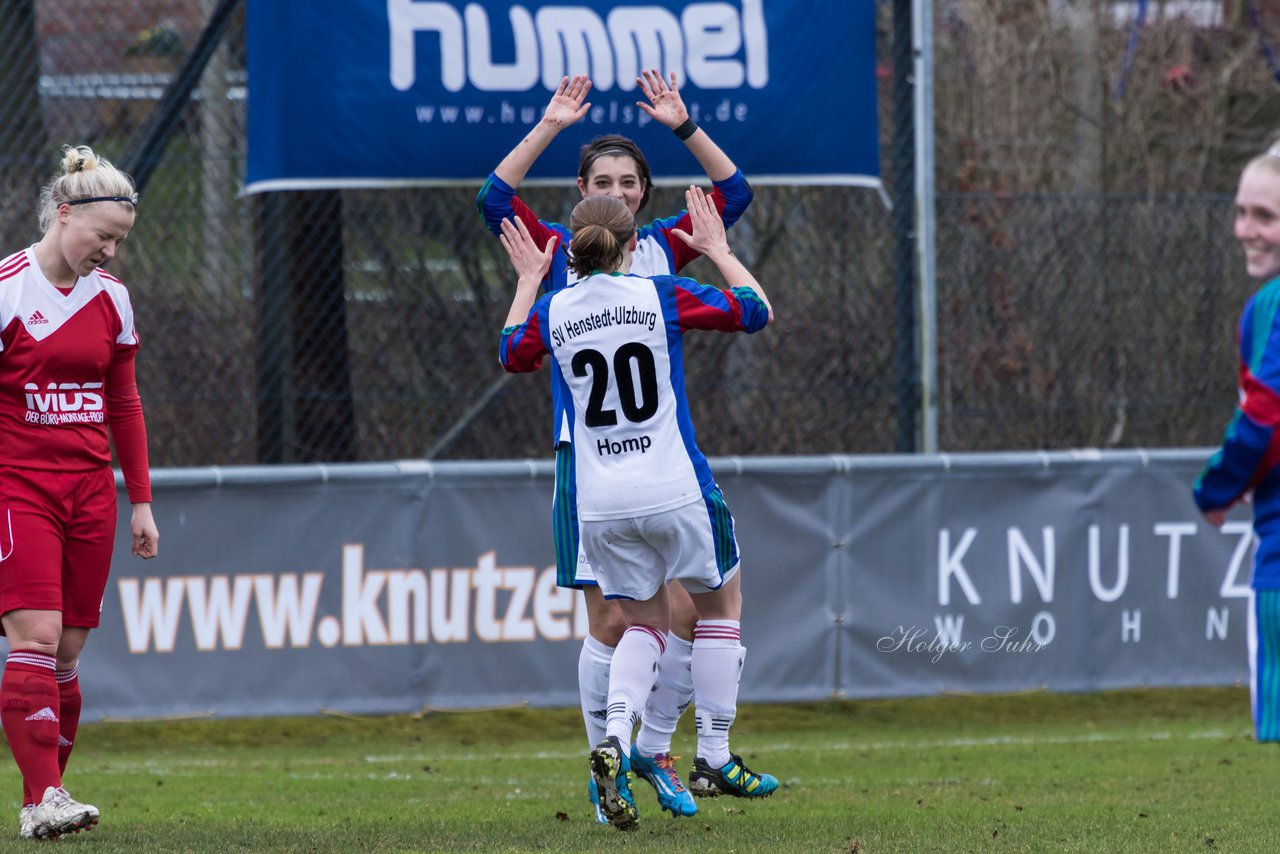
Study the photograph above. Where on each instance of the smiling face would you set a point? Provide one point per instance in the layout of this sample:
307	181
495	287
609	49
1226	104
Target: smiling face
1257	225
91	234
615	175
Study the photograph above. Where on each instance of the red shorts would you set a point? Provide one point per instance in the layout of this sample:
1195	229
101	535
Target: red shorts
57	531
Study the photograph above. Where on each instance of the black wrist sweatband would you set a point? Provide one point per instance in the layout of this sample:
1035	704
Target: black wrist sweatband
686	130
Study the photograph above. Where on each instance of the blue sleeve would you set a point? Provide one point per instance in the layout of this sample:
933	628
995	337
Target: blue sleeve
497	200
1230	471
755	314
1251	444
521	347
494	201
737	197
688	304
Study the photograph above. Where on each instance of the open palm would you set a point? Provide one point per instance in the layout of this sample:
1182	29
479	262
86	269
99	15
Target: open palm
665	104
568	105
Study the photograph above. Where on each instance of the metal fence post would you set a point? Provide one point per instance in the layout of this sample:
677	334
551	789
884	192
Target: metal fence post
904	225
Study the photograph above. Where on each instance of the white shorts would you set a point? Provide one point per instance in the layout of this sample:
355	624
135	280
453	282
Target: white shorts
584	575
634	557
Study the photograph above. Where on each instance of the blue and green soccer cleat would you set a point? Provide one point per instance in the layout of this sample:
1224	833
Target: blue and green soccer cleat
611	769
594	794
732	778
662	775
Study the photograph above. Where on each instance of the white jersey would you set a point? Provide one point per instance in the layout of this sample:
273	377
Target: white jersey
611	343
647	259
618	342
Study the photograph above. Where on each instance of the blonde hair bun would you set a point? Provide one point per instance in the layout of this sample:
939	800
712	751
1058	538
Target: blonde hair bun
78	158
83	176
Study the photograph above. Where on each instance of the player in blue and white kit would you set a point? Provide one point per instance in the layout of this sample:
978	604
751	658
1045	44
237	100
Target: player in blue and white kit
613	165
1248	462
649	509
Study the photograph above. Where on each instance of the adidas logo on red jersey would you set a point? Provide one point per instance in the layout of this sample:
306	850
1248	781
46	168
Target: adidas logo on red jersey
36	318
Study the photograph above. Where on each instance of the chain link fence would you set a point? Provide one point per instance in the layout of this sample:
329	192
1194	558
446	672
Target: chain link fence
1086	321
363	325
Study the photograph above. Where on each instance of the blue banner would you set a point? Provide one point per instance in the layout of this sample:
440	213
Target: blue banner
369	93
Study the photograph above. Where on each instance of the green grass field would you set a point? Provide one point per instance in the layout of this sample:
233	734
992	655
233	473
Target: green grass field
1145	770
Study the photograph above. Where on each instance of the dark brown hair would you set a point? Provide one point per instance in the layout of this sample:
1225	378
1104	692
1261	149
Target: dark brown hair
616	146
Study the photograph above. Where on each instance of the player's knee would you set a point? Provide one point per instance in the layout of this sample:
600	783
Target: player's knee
611	633
719	605
682	625
39	632
684	611
609	628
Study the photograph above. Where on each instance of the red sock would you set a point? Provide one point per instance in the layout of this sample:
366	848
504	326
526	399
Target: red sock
29	713
68	713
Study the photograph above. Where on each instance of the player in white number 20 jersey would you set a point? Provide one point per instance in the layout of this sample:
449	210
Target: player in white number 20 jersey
612	165
649	509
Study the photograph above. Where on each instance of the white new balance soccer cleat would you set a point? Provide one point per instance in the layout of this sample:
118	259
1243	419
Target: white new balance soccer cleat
58	814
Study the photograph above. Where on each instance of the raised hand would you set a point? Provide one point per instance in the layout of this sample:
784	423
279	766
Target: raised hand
708	228
568	104
530	263
708	238
665	104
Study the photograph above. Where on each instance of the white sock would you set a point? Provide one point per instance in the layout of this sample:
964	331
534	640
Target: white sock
631	678
668	699
593	687
717	666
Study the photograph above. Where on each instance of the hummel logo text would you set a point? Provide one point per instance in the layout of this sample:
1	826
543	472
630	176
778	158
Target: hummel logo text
36	318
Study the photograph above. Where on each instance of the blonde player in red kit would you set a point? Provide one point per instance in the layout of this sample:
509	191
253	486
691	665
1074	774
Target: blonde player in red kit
67	343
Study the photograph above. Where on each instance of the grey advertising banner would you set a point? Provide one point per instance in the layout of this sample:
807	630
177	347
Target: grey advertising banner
396	587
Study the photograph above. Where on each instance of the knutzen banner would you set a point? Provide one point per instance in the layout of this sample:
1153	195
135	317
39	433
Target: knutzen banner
393	587
370	93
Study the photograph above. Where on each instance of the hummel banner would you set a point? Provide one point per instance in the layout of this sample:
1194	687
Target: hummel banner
367	93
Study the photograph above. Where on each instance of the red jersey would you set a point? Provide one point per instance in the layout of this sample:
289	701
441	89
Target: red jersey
66	373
